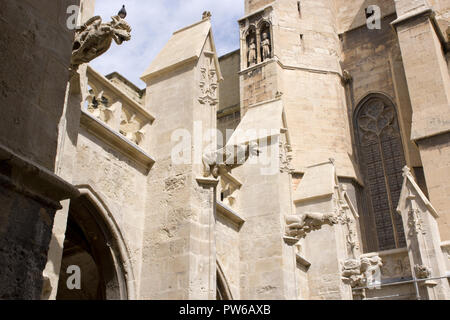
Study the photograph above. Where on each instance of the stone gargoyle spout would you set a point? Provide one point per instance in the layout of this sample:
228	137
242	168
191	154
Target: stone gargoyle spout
231	156
94	38
297	226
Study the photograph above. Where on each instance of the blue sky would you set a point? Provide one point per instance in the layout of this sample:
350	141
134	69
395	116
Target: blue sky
154	21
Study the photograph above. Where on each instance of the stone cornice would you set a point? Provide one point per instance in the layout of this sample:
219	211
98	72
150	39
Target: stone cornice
229	214
261	10
32	180
116	140
207	182
427	12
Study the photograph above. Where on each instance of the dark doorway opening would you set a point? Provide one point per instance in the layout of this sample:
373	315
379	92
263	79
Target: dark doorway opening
88	247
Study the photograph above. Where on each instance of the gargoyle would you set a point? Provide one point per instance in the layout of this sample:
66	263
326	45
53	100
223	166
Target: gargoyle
229	157
94	38
352	274
422	272
362	272
297	226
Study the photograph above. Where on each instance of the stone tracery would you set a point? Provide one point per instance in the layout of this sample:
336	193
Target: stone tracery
382	159
208	82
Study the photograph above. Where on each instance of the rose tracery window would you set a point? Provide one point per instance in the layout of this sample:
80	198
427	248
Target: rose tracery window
381	161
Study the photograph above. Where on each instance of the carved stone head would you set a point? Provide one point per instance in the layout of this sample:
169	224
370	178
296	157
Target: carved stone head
120	29
94	38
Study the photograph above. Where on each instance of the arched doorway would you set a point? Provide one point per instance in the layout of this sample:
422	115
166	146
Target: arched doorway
381	160
90	246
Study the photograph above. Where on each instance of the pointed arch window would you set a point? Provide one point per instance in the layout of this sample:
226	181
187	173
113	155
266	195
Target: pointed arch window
381	159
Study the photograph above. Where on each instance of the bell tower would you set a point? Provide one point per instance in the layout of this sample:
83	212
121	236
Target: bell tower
291	50
290	69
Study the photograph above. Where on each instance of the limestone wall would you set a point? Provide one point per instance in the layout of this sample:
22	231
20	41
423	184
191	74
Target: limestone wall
228	116
229	87
35	51
422	55
442	10
428	81
309	39
436	157
228	253
165	244
33	87
120	183
228	120
179	253
253	5
351	14
373	59
267	264
317	120
259	84
306	70
446	251
312	92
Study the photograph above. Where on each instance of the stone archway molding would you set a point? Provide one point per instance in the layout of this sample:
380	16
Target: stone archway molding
118	247
228	295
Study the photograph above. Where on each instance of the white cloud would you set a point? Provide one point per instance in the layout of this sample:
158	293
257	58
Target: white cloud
154	21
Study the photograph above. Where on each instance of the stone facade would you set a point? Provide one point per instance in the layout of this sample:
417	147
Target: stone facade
277	171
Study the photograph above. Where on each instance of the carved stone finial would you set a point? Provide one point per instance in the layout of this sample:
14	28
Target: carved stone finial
278	95
206	15
94	38
406	171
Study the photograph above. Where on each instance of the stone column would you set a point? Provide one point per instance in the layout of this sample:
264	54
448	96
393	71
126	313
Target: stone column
29	198
35	50
258	46
423	241
422	46
65	164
